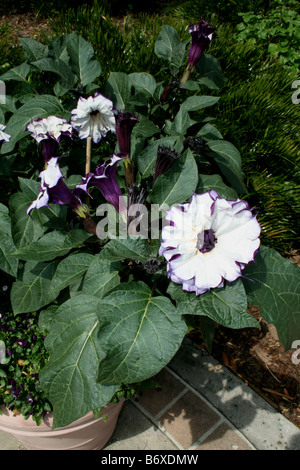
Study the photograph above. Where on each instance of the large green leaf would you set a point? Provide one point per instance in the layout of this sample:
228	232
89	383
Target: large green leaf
101	277
128	248
138	333
70	377
194	103
70	269
178	184
229	160
144	82
82	60
52	245
226	306
60	68
40	106
33	292
25	229
273	283
33	50
168	46
210	72
8	263
208	182
118	89
18	73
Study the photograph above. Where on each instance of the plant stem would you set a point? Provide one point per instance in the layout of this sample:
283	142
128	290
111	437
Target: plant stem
88	155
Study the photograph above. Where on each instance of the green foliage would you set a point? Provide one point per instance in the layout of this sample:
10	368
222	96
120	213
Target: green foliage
25	356
10	52
109	320
278	31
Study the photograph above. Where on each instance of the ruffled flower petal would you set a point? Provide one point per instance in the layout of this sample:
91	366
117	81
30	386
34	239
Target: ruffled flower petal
93	117
208	241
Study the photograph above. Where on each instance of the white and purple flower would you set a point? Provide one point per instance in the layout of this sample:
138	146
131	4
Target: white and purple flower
3	136
105	180
54	190
93	117
49	131
209	240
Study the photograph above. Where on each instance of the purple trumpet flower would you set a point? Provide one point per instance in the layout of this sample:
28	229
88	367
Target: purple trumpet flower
125	122
105	180
202	34
165	159
55	191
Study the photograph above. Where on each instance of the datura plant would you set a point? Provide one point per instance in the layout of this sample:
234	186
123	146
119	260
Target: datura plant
129	220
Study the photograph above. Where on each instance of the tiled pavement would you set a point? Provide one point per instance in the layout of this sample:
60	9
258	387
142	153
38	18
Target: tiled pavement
201	406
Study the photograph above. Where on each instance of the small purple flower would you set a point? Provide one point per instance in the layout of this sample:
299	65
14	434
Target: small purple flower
209	240
125	122
49	132
55	191
105	180
21	342
202	34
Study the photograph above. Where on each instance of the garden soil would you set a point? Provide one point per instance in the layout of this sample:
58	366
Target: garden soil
255	356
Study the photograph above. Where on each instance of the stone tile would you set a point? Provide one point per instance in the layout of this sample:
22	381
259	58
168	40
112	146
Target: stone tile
155	401
224	438
134	431
188	419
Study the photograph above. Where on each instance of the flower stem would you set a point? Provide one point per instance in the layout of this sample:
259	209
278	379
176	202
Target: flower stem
185	77
88	155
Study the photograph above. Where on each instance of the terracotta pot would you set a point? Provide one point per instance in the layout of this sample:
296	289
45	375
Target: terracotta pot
86	433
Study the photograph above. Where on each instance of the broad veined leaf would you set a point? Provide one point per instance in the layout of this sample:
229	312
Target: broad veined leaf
101	277
52	245
18	73
178	184
273	283
33	50
82	60
168	46
60	68
40	106
118	89
208	182
229	161
128	248
70	269
133	327
8	263
194	103
143	82
25	229
33	292
226	306
70	378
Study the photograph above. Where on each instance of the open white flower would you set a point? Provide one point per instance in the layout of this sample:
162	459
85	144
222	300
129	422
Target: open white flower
209	240
3	136
93	117
51	127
